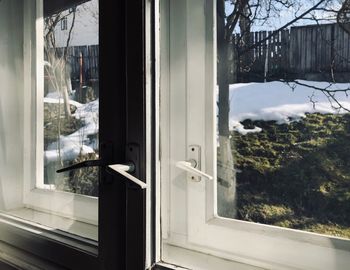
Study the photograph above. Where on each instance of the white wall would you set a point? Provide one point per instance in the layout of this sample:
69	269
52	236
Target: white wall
11	103
85	31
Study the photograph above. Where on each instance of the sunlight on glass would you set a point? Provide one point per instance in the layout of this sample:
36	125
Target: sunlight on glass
71	102
283	114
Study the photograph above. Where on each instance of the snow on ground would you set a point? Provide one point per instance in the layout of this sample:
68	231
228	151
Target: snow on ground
79	141
256	101
280	102
57	100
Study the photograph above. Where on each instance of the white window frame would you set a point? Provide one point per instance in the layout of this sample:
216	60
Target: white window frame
36	194
187	116
38	233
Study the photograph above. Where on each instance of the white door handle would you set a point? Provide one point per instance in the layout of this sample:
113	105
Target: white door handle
187	166
124	170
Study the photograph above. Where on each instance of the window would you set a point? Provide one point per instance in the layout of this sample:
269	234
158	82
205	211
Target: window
62	126
34	212
64	23
55	116
194	217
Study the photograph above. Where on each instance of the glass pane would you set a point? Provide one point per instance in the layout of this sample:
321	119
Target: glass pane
49	107
283	114
71	95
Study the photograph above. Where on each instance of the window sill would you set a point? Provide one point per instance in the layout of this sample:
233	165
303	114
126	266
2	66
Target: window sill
47	244
190	259
64	224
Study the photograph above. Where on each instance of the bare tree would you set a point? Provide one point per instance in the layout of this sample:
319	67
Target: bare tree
91	8
240	16
57	67
343	16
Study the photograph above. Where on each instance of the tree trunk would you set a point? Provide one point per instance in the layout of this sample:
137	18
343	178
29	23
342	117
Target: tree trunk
246	58
67	88
225	165
66	101
225	162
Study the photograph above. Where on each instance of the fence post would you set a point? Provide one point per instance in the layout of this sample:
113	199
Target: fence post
80	95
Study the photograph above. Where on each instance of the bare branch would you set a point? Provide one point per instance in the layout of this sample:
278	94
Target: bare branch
69	36
274	33
329	93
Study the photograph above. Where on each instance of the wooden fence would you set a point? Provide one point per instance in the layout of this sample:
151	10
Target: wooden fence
296	53
320	51
83	60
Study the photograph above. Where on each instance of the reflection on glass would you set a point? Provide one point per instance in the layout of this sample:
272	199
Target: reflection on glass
283	116
49	114
71	99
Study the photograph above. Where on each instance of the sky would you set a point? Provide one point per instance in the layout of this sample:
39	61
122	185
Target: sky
283	15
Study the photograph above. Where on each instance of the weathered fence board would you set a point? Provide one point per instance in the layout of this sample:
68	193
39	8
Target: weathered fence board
90	60
312	49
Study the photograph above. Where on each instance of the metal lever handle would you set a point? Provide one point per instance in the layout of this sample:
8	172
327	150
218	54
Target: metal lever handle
124	170
187	166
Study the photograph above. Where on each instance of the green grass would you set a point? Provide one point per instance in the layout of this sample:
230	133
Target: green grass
296	175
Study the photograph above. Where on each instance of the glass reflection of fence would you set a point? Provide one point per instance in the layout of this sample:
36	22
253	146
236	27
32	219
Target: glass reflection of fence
84	62
83	67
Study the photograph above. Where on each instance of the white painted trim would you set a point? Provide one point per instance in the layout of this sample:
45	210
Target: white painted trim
52	222
164	116
29	62
179	257
157	38
39	92
287	249
149	128
187	116
170	266
65	204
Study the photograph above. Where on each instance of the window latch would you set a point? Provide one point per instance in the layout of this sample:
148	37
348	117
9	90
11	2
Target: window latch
121	169
193	165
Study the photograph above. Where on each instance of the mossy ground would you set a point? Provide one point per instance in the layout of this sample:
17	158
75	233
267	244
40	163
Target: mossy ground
296	175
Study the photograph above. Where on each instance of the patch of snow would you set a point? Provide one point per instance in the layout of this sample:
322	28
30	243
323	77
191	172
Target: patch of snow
46	63
69	151
77	142
237	126
53	98
89	114
278	101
